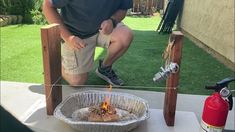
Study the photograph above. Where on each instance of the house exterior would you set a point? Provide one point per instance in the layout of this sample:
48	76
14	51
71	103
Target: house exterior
210	24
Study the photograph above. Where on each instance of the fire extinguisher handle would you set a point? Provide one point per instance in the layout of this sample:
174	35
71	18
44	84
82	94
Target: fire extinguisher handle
225	81
221	84
211	87
230	101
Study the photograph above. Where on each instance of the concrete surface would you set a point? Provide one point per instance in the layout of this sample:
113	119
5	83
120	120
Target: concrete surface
184	122
22	99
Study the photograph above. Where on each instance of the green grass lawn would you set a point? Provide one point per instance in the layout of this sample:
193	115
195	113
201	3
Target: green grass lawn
21	58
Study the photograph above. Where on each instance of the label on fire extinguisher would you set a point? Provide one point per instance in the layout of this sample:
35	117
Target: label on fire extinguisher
209	128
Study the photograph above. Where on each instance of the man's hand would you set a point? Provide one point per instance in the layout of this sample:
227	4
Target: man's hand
106	27
75	42
53	16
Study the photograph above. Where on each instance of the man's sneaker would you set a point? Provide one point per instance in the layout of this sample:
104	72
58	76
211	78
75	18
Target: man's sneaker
107	74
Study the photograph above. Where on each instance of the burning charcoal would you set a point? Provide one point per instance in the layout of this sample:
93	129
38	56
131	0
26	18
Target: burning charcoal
112	110
110	117
94	109
95	117
105	112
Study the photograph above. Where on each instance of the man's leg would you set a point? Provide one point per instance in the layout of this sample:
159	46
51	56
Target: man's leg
119	42
77	63
121	39
75	79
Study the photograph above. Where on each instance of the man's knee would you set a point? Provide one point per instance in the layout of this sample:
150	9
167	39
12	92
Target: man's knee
126	35
75	80
129	34
123	35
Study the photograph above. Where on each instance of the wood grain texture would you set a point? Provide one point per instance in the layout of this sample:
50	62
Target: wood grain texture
172	81
51	50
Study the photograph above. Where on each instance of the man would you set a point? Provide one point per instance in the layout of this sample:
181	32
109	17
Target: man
85	24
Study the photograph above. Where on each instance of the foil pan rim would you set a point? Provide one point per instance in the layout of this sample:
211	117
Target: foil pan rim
58	114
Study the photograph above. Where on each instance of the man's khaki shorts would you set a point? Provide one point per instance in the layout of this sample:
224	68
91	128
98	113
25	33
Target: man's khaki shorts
81	61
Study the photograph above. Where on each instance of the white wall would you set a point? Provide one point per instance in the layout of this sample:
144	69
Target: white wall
212	23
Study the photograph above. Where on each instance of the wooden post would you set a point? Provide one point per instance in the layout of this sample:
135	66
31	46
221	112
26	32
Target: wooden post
51	47
173	80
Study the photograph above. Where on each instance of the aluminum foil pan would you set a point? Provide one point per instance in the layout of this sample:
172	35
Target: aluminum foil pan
69	108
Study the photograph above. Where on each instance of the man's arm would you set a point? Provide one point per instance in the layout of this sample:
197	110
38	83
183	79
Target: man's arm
53	16
107	26
119	15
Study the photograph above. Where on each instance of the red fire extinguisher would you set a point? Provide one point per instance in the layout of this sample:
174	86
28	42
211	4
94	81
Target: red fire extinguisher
216	107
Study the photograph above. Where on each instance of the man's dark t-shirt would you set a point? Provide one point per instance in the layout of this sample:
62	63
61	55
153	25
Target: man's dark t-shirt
83	17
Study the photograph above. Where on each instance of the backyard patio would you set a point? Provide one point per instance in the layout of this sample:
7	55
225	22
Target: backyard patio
32	86
197	70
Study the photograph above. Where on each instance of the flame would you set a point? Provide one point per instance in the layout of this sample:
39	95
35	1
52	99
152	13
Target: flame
106	102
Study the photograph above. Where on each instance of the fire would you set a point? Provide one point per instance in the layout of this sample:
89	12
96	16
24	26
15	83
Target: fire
105	105
104	112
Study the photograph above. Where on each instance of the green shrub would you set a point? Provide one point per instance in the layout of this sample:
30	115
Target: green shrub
38	5
30	10
3	10
27	18
38	17
17	7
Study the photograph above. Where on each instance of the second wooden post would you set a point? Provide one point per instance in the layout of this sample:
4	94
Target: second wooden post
173	80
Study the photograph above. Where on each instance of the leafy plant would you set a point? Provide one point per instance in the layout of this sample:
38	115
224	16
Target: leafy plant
38	5
38	17
3	9
17	7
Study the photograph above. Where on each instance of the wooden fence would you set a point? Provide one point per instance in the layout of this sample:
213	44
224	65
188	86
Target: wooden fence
146	7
